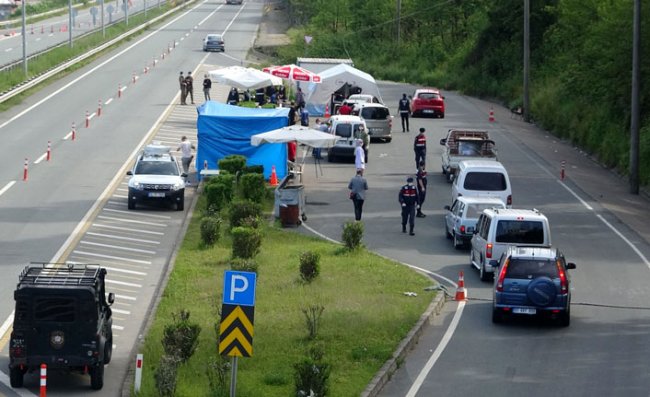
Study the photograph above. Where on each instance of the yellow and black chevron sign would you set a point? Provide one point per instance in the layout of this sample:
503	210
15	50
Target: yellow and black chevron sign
236	330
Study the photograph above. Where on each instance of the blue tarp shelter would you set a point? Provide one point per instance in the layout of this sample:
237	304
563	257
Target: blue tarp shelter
225	129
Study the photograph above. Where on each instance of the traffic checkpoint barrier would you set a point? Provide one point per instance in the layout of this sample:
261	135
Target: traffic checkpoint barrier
25	169
74	131
461	291
491	117
119	90
99	108
134	77
43	389
49	150
138	373
87	119
562	166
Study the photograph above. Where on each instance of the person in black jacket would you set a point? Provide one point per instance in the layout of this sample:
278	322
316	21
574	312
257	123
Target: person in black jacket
408	199
404	108
207	84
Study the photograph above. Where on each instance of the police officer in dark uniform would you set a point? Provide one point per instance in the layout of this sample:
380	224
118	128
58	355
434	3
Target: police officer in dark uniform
408	198
420	148
404	108
421	185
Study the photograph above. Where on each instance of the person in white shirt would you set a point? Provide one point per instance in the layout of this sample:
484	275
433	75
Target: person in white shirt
359	156
186	148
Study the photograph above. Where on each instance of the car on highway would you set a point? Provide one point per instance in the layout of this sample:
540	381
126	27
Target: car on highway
532	281
234	1
62	319
462	215
497	229
156	176
428	102
481	178
378	120
214	42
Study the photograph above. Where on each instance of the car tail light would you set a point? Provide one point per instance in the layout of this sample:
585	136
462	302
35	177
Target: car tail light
462	228
509	200
564	283
502	275
488	250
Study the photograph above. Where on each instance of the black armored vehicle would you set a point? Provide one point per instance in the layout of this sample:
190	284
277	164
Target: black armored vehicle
63	320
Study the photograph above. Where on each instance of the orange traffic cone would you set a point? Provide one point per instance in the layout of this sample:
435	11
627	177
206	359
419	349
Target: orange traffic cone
327	111
491	118
274	177
461	291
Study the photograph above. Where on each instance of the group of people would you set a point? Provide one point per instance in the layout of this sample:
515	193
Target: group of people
411	196
186	84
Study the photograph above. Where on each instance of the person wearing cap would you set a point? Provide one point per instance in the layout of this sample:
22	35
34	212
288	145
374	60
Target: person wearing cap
359	156
420	147
404	108
421	185
408	199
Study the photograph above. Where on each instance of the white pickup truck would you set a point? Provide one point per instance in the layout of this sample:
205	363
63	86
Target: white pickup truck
463	144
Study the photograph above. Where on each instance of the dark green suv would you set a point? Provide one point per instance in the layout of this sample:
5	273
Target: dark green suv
63	320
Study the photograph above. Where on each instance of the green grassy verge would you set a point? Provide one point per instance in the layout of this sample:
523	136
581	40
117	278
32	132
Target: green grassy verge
366	313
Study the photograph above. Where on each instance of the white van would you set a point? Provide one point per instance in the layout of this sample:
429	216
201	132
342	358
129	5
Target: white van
378	120
496	229
482	178
346	128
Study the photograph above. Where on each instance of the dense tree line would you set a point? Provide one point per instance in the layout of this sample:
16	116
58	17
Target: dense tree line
581	57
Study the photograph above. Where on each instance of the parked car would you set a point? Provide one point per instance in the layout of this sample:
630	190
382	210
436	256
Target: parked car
481	178
496	229
461	217
156	177
355	100
378	120
532	281
234	1
428	102
464	144
214	42
346	128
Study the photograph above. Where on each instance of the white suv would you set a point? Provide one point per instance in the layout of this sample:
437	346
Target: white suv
497	229
156	176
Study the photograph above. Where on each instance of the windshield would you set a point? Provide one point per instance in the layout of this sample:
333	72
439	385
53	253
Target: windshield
156	168
485	181
344	130
520	232
531	268
474	210
375	113
428	95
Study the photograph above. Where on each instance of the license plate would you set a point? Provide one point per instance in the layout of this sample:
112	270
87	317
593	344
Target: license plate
523	310
156	194
428	111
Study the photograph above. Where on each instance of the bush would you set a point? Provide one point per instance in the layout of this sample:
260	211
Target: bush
244	265
253	169
219	191
165	376
210	230
240	210
309	265
313	314
352	235
253	187
181	338
233	163
217	371
246	242
311	378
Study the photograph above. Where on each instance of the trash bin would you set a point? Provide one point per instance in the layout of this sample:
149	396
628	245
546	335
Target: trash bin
288	195
289	215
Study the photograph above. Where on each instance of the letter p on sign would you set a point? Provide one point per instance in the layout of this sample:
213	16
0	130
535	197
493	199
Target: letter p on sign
239	288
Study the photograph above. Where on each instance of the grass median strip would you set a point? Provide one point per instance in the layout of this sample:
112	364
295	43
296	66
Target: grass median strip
366	313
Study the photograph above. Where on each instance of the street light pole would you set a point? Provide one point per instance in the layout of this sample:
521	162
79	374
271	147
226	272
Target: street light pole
635	113
526	60
24	31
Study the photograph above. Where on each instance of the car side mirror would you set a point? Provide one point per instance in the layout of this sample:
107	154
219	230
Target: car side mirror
443	141
130	173
570	265
111	298
494	263
448	208
184	175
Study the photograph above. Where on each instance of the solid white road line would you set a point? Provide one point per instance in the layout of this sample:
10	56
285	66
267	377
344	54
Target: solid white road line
127	229
138	213
123	283
4	190
117	247
112	236
110	218
117	258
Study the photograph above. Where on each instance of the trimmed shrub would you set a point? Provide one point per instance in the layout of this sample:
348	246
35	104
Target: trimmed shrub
254	222
165	375
253	187
181	338
246	242
253	169
309	265
210	230
352	235
233	163
244	265
219	191
240	210
311	378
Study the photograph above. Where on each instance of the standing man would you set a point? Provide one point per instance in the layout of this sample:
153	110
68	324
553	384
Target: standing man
183	84
207	84
292	114
358	186
421	184
404	108
359	156
420	148
186	148
300	97
189	80
408	198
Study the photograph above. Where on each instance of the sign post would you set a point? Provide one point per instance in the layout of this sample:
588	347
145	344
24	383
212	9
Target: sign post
237	315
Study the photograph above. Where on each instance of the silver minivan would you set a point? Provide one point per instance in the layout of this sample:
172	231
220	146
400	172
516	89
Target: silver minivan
378	120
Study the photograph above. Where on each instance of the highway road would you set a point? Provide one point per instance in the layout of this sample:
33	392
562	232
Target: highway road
603	352
73	207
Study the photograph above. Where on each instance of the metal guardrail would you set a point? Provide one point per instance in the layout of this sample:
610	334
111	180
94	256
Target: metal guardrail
34	81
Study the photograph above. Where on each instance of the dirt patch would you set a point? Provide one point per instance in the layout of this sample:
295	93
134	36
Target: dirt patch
271	33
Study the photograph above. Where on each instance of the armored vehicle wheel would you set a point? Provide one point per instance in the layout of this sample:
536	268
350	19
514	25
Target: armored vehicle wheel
16	377
108	351
97	377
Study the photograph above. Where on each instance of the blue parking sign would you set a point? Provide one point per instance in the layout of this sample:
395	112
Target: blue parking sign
239	288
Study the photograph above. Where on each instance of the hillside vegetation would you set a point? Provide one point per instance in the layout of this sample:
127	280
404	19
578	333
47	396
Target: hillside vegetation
581	58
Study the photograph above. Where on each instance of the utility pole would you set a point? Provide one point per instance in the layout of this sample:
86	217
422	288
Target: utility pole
398	20
526	60
635	116
70	22
24	31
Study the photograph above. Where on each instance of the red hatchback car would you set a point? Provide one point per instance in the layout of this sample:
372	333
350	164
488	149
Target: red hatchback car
428	102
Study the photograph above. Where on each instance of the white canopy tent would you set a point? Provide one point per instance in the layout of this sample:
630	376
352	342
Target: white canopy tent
243	78
318	95
305	135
